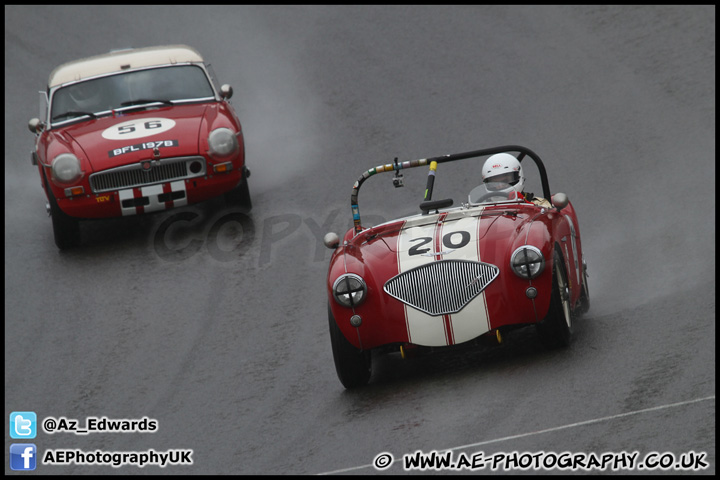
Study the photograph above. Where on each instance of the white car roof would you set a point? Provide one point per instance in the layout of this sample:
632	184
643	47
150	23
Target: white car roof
122	60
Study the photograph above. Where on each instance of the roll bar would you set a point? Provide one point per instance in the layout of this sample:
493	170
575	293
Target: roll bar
433	162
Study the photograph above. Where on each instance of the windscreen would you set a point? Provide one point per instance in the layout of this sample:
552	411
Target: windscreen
184	82
494	192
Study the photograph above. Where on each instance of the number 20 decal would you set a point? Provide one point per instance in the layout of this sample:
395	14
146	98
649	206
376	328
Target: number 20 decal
448	242
140	128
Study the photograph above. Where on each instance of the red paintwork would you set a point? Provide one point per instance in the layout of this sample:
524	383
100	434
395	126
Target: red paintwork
193	123
375	259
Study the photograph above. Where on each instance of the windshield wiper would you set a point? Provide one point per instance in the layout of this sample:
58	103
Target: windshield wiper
74	113
145	102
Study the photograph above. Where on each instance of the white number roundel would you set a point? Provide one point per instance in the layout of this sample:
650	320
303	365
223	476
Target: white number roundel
139	128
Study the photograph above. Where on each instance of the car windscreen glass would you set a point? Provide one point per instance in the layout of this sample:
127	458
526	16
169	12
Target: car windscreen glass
494	192
184	82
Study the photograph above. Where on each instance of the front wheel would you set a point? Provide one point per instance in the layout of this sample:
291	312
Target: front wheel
556	328
353	366
240	195
585	292
66	229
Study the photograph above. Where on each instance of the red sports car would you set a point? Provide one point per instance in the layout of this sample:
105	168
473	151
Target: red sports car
136	131
501	260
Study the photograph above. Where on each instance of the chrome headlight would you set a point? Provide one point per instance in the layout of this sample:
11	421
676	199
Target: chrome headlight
222	142
527	262
66	168
349	290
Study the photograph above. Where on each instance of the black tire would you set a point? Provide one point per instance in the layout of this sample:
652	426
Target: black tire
240	196
66	229
353	366
556	328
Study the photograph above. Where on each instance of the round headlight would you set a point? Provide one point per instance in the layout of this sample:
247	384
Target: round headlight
527	262
349	290
222	142
66	168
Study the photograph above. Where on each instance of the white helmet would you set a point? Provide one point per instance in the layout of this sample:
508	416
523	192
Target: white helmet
86	95
503	168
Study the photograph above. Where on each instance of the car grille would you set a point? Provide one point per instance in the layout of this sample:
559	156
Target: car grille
443	287
135	175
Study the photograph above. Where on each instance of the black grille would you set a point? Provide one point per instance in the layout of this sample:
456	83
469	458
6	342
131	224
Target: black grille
443	287
136	175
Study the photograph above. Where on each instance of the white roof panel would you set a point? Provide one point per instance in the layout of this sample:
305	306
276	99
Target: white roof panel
122	60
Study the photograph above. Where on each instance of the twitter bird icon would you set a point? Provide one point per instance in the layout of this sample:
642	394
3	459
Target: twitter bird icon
23	425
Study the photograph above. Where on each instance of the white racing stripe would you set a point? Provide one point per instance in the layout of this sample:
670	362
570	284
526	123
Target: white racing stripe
422	328
179	186
126	195
152	193
472	320
455	237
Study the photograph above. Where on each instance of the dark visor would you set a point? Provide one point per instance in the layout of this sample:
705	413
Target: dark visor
510	177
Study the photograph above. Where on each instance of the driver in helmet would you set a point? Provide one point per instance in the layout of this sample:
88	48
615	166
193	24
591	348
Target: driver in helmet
503	174
86	95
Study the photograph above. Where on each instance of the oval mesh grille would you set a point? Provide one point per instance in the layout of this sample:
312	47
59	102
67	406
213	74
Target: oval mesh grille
443	287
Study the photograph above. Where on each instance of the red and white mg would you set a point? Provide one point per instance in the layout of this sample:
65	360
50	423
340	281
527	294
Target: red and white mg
133	132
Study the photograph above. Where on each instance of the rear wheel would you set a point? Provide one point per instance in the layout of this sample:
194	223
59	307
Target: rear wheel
353	366
556	329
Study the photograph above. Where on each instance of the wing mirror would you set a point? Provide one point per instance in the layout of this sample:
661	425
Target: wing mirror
35	125
560	201
226	91
331	240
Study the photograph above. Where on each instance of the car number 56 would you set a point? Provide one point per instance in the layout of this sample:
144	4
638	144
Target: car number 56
138	128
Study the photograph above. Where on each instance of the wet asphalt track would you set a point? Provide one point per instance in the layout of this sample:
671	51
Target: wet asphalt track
219	330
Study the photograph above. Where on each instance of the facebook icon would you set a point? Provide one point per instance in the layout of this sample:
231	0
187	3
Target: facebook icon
22	456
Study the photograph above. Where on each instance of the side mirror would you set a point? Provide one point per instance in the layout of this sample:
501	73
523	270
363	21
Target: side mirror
35	125
331	240
226	91
560	201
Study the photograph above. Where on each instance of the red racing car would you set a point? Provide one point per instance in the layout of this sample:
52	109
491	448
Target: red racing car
503	259
136	131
